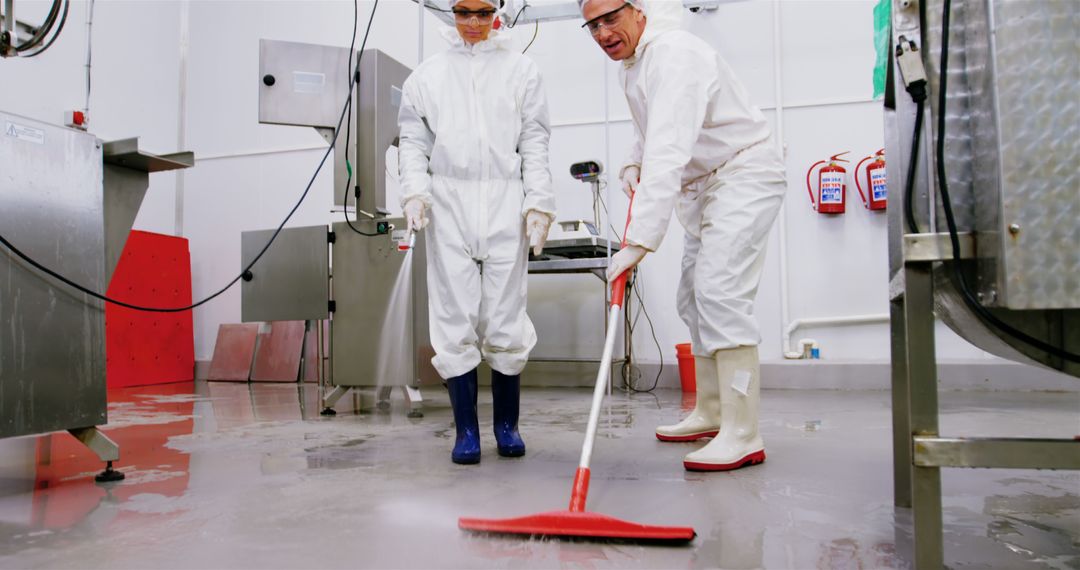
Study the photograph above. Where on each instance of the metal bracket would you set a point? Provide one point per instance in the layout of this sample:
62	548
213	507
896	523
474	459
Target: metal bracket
105	448
928	248
1001	453
333	397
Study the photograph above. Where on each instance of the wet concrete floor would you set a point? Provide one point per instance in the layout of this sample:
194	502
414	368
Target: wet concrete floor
226	475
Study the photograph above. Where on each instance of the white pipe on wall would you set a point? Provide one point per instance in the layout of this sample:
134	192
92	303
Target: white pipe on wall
825	321
778	95
789	326
420	36
181	116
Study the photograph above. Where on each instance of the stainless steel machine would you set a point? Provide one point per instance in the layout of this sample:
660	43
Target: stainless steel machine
69	201
354	272
1009	266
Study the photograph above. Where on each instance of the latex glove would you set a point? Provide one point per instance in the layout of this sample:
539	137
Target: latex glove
414	211
626	259
630	177
536	227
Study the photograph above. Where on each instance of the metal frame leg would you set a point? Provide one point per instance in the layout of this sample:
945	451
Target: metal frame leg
382	397
332	398
415	400
105	448
901	425
922	399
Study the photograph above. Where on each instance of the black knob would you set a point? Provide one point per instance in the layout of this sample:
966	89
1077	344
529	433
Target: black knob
269	80
248	276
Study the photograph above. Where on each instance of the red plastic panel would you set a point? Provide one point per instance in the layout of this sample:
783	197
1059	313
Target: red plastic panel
150	348
233	352
64	492
278	357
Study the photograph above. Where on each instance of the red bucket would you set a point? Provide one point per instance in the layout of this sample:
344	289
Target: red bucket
686	367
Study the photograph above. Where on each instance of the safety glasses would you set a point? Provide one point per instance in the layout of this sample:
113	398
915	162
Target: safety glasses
481	16
607	20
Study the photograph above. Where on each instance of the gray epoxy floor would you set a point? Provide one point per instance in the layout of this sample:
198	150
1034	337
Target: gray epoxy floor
231	476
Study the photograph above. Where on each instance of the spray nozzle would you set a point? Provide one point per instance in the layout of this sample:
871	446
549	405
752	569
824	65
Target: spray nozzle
409	244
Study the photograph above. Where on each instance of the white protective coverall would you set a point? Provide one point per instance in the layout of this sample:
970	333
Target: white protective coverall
707	153
474	148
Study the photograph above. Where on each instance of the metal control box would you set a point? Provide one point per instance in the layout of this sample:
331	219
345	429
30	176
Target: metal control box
1013	145
308	85
380	326
52	338
291	281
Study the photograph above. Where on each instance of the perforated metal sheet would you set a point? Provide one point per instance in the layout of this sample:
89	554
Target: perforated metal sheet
1012	144
1038	94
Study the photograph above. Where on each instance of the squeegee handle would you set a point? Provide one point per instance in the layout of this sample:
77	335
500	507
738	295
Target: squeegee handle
618	286
580	492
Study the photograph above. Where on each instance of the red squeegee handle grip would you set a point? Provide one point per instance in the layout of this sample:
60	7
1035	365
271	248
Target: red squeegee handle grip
618	287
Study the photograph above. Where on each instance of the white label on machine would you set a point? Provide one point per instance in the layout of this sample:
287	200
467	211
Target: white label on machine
878	185
741	383
306	82
832	188
23	133
395	95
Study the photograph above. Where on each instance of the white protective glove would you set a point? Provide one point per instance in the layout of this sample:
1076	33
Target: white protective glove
630	176
536	227
626	259
414	211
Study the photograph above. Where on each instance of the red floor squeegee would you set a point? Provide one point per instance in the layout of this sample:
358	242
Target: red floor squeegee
576	522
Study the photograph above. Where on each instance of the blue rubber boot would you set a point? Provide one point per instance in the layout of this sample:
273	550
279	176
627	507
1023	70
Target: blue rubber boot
506	396
463	399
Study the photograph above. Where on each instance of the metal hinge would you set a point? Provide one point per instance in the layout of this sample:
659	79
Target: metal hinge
925	248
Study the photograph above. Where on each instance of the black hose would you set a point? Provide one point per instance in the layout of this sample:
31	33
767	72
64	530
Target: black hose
43	30
59	28
354	75
909	185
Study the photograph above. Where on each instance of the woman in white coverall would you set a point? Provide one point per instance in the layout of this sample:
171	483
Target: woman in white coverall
473	157
705	152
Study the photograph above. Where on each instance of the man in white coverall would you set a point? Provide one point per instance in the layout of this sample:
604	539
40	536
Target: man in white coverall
474	163
705	152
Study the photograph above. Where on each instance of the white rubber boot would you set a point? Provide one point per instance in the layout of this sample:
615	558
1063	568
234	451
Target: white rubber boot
738	444
704	421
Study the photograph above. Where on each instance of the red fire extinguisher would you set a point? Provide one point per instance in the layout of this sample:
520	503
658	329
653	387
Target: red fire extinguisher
832	186
877	187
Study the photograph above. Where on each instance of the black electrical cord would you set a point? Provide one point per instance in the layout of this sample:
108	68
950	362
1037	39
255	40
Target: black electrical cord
247	269
915	84
954	238
354	77
536	32
518	15
909	185
659	350
56	34
631	287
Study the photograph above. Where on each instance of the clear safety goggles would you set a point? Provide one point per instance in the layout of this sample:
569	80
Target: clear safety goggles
467	16
607	20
